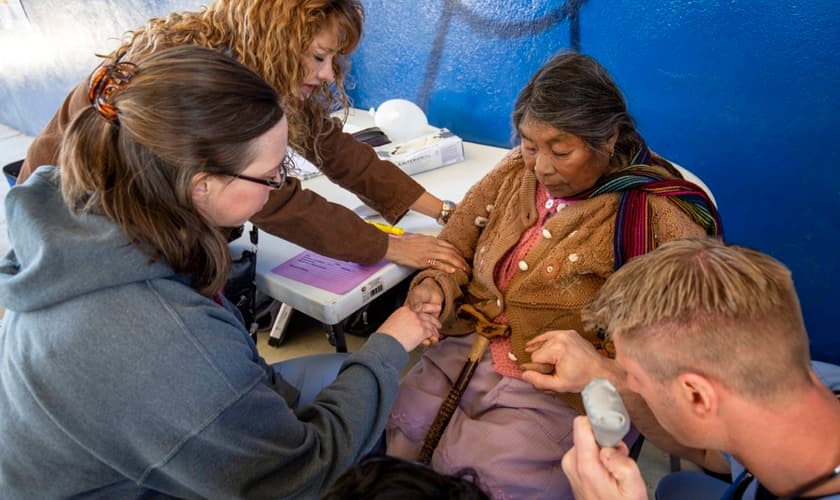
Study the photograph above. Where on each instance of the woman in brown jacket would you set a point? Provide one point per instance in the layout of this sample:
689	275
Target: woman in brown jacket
300	48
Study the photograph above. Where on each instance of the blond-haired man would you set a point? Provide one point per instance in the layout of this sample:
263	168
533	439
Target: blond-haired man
710	338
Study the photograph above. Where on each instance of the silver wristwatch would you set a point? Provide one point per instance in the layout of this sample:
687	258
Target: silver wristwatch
446	210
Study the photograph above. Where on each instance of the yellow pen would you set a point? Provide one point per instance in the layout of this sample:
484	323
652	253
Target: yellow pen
385	228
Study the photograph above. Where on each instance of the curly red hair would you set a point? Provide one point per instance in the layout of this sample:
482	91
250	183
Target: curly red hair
270	37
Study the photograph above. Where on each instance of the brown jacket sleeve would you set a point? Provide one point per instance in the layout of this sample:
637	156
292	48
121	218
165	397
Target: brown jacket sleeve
44	149
305	218
381	185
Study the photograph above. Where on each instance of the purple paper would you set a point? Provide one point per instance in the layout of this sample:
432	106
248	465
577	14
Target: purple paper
336	276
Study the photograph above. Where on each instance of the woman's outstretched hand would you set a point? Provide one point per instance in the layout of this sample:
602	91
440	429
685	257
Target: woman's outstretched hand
422	251
411	328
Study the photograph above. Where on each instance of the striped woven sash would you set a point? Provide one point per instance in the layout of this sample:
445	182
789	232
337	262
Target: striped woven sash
633	233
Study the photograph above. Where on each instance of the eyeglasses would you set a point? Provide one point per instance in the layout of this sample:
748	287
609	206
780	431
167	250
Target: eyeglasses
273	183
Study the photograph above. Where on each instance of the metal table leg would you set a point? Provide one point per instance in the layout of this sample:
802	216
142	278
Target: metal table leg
278	330
335	335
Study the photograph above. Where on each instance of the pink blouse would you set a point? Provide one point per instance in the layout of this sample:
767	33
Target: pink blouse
507	268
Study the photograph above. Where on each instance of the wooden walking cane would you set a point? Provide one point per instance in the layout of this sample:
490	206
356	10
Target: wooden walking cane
485	331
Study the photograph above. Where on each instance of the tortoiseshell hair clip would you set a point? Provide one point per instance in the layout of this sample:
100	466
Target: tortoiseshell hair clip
106	82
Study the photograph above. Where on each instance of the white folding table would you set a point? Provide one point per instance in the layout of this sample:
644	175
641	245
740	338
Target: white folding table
449	182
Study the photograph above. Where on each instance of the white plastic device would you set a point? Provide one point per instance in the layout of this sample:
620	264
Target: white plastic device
606	412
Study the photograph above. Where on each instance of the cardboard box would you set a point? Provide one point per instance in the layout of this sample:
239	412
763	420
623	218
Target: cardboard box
427	152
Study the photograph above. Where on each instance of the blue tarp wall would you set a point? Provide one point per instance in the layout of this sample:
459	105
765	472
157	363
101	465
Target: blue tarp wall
743	93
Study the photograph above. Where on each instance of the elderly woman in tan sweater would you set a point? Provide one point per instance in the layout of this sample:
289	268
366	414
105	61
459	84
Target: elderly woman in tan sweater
581	195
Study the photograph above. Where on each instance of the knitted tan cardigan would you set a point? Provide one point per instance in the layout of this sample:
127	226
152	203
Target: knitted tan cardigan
561	273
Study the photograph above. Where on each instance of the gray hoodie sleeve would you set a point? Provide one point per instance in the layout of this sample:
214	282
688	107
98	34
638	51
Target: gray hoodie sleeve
259	448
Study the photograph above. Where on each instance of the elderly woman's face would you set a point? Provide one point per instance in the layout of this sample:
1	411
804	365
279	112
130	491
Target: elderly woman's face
562	162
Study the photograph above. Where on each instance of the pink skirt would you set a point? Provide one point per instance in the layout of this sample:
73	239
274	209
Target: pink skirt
512	435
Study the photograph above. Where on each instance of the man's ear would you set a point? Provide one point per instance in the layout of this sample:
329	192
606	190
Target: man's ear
699	393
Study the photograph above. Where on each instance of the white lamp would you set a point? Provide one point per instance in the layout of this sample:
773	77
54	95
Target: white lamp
401	120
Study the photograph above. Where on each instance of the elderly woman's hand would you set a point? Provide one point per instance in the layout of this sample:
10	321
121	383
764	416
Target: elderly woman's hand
422	251
426	298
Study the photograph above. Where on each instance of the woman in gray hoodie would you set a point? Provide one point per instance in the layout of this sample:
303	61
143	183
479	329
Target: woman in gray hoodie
124	373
